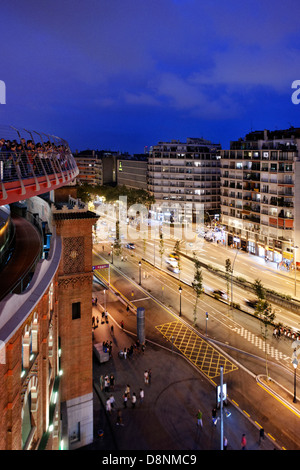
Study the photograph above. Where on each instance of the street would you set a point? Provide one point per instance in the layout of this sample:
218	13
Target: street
233	334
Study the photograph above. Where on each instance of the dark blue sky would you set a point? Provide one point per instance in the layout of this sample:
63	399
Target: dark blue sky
123	74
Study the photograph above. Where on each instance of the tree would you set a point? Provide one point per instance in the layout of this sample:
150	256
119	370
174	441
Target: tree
161	246
263	311
117	247
228	270
178	254
197	285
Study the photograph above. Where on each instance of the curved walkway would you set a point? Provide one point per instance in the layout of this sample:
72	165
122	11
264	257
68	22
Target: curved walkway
27	248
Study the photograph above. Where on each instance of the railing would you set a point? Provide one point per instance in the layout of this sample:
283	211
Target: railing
41	162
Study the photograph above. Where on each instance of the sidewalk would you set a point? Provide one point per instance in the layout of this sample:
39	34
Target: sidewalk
166	420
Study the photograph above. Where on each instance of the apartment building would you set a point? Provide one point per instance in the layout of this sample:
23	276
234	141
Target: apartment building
185	174
259	196
132	172
95	167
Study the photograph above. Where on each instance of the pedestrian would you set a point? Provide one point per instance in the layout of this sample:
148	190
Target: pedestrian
125	400
214	414
225	443
127	390
149	376
101	382
119	419
108	406
106	383
112	330
243	442
97	321
261	435
125	353
93	320
142	395
146	377
112	382
133	400
199	419
122	325
112	401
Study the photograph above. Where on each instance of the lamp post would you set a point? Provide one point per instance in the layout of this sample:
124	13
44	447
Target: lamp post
180	290
112	253
206	314
140	277
295	364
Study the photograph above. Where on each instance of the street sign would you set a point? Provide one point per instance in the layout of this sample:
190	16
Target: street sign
100	266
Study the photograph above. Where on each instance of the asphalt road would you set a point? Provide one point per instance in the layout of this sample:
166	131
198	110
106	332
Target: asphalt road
226	328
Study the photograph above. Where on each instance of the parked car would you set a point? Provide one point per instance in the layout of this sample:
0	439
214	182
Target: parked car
130	246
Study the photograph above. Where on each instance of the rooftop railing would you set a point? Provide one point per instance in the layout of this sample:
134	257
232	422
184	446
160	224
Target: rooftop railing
32	163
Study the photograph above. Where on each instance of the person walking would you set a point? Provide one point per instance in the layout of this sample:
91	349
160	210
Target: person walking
225	443
111	382
108	405
142	395
146	377
243	442
119	419
214	416
199	419
101	382
149	376
122	325
112	401
125	400
133	400
261	435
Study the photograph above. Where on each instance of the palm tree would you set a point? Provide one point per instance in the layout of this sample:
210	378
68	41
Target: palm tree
197	284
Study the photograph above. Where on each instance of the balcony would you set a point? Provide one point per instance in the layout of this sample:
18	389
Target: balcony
32	166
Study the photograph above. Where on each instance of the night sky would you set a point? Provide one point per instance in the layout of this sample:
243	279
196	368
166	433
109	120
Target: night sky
125	74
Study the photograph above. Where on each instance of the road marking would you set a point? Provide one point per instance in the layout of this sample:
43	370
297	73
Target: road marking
198	351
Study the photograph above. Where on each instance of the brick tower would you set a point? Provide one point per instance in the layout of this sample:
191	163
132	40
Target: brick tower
75	278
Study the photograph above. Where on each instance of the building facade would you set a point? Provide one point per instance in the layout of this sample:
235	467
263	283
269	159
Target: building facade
96	168
185	174
259	193
132	172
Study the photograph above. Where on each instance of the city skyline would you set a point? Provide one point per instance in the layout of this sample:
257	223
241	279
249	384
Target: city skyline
125	75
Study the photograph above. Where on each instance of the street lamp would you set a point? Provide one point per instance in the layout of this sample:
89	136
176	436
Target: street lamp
180	290
140	264
295	364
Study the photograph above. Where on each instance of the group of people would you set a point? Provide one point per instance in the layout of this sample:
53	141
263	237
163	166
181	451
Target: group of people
26	158
128	352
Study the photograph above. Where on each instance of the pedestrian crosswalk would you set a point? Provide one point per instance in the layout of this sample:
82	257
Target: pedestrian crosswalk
261	344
